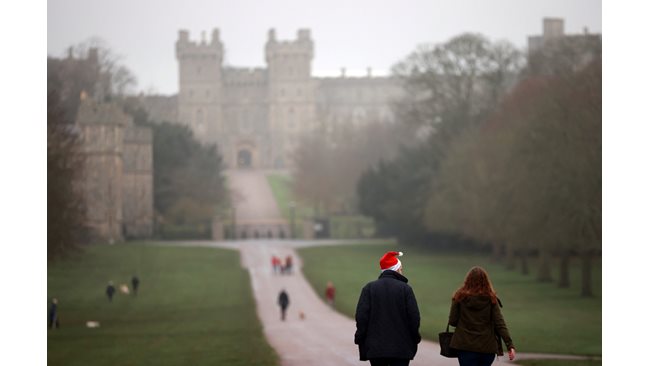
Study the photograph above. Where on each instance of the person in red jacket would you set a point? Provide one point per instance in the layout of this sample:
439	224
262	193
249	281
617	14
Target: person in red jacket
330	292
276	263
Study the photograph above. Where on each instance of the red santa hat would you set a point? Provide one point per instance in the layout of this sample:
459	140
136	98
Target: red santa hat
390	261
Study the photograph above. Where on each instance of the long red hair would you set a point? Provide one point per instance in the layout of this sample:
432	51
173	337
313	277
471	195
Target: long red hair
477	283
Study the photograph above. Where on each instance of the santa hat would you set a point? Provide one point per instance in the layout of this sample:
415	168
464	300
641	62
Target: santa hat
390	261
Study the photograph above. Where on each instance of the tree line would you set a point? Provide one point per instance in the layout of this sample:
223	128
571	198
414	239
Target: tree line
512	157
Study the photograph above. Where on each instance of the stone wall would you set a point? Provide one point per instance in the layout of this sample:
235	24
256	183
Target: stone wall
137	184
118	172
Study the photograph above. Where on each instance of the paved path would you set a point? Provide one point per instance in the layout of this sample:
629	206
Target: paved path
253	198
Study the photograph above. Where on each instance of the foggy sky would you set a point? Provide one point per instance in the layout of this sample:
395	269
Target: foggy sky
352	34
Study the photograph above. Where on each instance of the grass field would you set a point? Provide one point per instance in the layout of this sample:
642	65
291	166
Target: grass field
281	188
194	307
540	316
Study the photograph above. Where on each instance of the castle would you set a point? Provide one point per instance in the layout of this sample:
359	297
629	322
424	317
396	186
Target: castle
256	116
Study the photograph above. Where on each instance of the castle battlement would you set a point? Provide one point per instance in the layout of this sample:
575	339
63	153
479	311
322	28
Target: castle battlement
301	46
187	48
244	76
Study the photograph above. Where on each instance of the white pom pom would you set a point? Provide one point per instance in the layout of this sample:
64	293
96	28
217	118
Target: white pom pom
400	254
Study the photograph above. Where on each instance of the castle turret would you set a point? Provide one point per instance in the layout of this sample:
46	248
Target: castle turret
291	92
200	84
290	60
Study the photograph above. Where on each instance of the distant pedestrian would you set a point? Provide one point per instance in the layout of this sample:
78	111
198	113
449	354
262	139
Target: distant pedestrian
54	314
283	301
330	292
276	263
388	318
476	314
135	282
288	264
110	291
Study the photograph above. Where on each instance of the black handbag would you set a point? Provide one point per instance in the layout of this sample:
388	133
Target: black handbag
444	339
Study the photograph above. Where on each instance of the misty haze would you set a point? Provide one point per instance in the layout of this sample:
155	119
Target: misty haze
261	184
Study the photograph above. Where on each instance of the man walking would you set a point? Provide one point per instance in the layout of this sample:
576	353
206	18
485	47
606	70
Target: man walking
54	314
388	318
110	290
135	282
283	301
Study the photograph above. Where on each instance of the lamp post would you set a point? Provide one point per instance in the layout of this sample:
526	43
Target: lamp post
292	213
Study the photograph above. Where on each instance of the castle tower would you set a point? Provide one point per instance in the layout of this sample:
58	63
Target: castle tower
102	127
200	85
291	93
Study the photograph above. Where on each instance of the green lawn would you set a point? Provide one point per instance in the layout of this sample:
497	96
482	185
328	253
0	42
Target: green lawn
194	307
540	316
281	189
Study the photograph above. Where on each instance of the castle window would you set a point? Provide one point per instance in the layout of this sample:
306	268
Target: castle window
291	118
199	118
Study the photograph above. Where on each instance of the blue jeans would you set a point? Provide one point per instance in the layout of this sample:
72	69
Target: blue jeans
467	358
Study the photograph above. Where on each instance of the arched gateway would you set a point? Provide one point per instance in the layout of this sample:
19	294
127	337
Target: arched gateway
244	158
245	154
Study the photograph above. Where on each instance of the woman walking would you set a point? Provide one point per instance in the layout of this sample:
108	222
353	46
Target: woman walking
476	314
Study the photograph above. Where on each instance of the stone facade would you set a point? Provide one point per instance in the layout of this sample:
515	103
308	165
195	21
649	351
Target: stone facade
118	173
554	50
256	116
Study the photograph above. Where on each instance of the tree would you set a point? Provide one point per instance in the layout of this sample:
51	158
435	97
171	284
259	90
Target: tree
188	177
329	161
450	88
114	78
531	174
65	204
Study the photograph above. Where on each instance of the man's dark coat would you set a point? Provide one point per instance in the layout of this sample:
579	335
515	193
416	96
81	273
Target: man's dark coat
388	319
283	300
